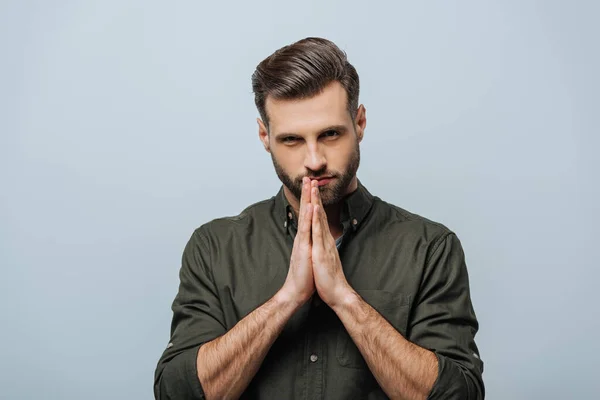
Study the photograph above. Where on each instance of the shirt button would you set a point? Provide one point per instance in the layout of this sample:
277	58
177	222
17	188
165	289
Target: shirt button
354	221
313	358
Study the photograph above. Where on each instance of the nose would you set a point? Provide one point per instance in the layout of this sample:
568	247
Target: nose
314	159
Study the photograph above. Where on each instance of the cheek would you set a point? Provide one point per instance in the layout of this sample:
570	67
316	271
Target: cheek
339	155
291	160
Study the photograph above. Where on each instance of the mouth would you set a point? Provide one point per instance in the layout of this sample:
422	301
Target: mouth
322	181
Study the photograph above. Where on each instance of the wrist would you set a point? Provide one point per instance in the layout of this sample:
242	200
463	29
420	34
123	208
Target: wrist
345	297
287	300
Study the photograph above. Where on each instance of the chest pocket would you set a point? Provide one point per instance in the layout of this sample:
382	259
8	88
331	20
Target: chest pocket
394	307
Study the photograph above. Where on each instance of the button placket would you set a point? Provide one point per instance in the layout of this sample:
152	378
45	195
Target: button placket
314	353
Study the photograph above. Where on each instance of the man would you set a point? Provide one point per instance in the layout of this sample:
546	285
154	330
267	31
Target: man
324	291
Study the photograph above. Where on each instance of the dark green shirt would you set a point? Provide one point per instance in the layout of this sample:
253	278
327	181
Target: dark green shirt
410	269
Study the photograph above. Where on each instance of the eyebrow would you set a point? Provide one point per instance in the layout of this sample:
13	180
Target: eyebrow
339	128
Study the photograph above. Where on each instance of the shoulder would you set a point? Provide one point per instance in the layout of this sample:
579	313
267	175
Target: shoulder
413	231
409	224
260	211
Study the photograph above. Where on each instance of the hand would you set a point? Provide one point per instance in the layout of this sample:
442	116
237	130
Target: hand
330	281
299	285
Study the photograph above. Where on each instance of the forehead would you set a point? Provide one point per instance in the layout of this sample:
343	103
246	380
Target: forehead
327	108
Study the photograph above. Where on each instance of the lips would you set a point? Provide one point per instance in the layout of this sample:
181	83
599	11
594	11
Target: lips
324	180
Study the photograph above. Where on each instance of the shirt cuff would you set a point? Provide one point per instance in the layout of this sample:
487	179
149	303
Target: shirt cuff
180	377
450	383
191	371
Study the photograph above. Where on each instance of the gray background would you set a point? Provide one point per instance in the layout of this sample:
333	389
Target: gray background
126	124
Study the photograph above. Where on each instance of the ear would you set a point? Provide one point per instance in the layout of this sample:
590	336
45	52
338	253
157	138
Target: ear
360	122
263	134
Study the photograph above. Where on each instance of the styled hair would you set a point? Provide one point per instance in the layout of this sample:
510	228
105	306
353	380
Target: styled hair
302	70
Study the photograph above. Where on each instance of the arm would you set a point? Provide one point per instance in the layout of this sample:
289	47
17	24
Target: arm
197	319
402	369
245	346
216	370
438	359
203	359
221	361
444	323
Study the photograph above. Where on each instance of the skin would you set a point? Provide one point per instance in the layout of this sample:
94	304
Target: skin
403	369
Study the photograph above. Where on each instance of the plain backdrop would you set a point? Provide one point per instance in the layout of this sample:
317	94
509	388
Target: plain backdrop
125	125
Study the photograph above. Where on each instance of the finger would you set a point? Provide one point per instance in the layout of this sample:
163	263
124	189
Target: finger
317	226
305	196
315	194
323	215
304	200
305	225
316	200
311	185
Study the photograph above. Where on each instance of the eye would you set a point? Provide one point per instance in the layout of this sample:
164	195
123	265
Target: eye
330	134
289	140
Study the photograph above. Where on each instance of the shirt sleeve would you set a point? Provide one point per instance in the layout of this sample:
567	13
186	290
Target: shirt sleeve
197	319
445	323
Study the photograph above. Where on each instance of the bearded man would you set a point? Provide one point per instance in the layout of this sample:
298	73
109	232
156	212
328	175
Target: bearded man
323	291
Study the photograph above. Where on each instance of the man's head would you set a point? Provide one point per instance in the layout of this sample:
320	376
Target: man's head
307	97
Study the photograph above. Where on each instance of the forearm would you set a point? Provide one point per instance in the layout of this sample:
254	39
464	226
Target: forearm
227	364
402	369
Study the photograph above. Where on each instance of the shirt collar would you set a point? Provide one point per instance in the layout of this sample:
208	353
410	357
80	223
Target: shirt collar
355	208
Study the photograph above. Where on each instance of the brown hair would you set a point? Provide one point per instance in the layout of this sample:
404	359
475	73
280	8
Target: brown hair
301	70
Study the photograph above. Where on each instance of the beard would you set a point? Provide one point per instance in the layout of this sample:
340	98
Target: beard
334	191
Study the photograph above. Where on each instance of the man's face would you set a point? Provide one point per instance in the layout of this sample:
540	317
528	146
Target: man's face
315	137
